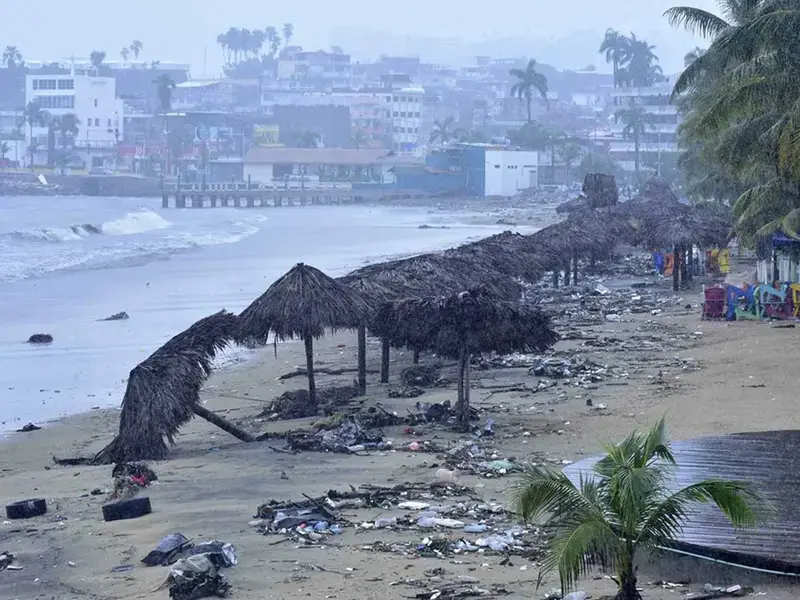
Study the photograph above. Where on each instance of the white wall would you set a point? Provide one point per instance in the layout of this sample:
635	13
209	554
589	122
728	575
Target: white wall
508	172
258	173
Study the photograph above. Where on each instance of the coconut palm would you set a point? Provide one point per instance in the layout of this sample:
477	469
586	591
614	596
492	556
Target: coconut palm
34	116
222	40
97	57
641	63
615	47
272	39
528	81
136	48
164	88
288	32
443	131
627	504
125	53
12	57
5	148
691	56
635	122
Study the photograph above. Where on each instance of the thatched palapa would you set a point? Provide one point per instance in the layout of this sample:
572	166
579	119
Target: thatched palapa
464	324
508	253
302	304
163	391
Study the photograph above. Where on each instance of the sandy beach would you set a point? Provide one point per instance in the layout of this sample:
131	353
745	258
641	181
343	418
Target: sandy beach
707	377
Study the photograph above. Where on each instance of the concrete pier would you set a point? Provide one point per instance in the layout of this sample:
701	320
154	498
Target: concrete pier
247	195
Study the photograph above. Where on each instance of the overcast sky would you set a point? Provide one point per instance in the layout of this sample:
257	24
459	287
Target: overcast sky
186	30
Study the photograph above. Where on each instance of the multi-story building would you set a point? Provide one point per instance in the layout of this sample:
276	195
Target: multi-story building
314	70
406	106
660	134
93	100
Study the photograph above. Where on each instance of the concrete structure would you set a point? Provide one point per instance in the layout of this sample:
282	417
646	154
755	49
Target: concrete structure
406	106
93	100
474	170
322	165
314	70
659	137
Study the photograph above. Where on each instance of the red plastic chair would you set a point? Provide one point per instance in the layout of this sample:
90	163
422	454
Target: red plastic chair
714	303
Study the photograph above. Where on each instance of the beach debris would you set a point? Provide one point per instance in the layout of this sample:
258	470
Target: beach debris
296	404
168	550
224	552
26	509
452	591
195	577
447	476
348	438
120	316
422	376
28	428
405	392
6	558
130	508
711	591
129	478
40	338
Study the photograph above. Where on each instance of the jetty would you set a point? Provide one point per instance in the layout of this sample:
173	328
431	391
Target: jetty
257	195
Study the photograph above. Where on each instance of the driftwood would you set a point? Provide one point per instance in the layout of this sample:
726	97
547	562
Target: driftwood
223	424
301	372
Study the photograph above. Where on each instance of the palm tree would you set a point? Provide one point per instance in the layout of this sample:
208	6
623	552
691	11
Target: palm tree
5	148
246	41
635	122
222	40
529	80
136	48
68	126
614	46
693	55
257	39
336	50
358	139
34	116
625	505
124	53
234	43
642	63
12	57
569	152
273	39
308	139
164	88
288	32
443	131
97	57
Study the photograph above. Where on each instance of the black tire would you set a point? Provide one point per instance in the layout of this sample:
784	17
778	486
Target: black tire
131	508
25	509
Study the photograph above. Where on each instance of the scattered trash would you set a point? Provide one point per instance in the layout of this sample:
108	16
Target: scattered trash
167	550
196	577
129	479
347	438
6	558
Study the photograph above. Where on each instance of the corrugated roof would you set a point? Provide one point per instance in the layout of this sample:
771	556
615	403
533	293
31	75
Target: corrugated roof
327	156
766	460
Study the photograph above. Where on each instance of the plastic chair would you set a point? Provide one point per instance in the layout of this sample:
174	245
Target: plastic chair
769	301
740	303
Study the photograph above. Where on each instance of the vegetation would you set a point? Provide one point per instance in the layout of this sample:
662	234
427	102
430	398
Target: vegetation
634	61
740	140
307	139
241	44
635	122
97	57
136	47
625	506
5	148
34	116
528	81
164	86
12	58
444	131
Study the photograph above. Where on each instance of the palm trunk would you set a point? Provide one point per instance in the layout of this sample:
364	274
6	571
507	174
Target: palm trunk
416	357
463	402
362	359
676	266
567	273
528	102
223	424
312	386
555	278
384	361
627	580
575	268
636	155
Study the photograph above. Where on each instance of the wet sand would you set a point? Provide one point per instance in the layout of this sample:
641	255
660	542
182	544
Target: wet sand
732	377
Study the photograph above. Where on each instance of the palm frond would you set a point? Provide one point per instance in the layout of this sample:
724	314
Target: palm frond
698	21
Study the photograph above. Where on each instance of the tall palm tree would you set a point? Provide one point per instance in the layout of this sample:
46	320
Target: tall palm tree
222	40
624	506
125	53
443	131
97	57
136	48
257	39
614	46
528	81
34	116
288	32
273	39
642	63
246	41
12	57
5	148
164	88
635	122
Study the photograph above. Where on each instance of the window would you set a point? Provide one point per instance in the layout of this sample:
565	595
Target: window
95	102
109	122
88	122
416	115
97	122
497	166
44	84
402	98
403	115
394	114
50	102
66	84
394	98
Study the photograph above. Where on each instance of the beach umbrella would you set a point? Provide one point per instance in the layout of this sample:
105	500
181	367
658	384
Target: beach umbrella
461	325
509	254
375	293
302	304
163	392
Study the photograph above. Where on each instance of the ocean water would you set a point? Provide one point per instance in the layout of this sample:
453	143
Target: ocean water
66	262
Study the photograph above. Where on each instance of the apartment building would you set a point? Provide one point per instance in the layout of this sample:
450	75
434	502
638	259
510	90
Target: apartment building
314	70
660	133
93	100
407	109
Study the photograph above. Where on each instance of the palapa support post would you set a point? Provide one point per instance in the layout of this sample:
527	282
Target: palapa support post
416	357
312	386
567	273
575	268
676	267
362	359
555	278
223	424
592	260
688	264
461	401
385	360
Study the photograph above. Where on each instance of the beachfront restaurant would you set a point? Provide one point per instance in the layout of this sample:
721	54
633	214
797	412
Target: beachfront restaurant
280	165
778	259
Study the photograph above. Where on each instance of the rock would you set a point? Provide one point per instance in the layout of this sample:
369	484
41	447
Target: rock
40	338
29	427
120	316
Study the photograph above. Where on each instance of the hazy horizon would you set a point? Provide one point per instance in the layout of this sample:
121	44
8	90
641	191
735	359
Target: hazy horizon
565	35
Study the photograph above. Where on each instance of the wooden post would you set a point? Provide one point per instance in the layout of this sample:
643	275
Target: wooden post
223	424
575	268
362	359
567	274
312	386
676	262
462	403
385	360
555	278
416	357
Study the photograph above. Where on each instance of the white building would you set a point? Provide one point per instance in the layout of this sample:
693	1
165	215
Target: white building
508	172
660	133
92	100
406	106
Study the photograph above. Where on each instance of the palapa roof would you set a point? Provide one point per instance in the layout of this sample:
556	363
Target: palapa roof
483	322
164	389
508	253
303	302
373	290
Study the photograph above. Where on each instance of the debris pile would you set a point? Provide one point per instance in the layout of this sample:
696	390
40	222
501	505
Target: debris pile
347	438
129	479
295	404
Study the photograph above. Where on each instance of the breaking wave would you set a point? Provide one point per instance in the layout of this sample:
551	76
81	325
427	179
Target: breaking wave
132	223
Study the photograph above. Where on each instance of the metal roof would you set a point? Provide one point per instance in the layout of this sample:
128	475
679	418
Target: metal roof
327	156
